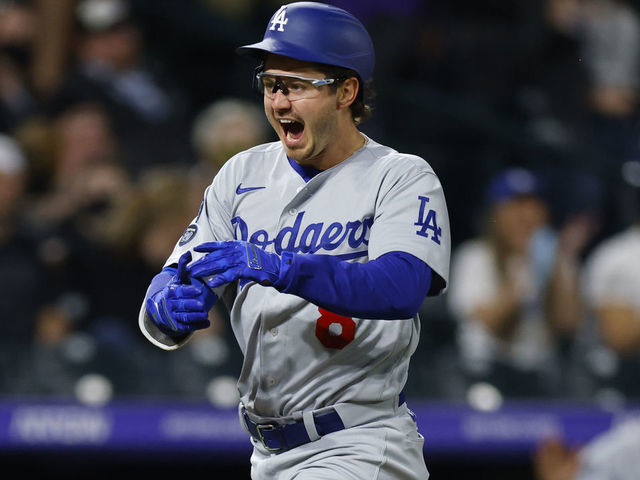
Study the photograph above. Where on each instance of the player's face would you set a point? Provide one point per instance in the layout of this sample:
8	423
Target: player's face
309	127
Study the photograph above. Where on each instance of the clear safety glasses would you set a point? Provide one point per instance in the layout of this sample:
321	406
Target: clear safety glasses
294	87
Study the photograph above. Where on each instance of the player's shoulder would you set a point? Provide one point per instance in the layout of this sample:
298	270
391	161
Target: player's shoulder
384	157
263	152
251	159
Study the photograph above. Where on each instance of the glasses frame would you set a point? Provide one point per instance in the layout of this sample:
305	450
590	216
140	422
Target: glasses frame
279	85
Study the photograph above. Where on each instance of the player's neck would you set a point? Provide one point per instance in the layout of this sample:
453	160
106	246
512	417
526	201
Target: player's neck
350	140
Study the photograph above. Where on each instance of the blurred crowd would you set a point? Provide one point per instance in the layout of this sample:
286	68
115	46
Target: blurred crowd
115	115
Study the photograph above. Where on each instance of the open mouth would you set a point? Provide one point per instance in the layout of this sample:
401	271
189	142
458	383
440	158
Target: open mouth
293	130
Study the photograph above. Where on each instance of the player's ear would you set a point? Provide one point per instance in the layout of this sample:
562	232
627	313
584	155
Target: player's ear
347	92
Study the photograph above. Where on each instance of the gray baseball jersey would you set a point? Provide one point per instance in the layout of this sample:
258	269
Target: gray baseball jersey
298	357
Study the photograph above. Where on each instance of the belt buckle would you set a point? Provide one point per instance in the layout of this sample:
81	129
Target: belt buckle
268	427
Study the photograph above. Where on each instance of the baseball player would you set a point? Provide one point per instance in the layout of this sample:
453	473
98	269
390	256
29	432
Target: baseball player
324	245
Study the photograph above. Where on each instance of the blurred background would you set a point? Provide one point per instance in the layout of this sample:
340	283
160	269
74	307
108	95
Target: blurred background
114	117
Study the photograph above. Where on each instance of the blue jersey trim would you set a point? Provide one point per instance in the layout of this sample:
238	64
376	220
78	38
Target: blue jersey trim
307	173
352	255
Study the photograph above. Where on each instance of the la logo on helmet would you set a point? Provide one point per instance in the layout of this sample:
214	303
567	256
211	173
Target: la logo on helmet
280	18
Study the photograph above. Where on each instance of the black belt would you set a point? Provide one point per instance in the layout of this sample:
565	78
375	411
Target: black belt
279	438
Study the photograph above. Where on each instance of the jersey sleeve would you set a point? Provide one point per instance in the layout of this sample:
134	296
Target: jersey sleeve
211	224
411	216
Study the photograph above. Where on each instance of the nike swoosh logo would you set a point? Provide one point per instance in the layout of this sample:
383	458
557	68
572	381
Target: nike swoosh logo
240	190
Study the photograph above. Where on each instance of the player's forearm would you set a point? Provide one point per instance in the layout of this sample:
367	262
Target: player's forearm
390	287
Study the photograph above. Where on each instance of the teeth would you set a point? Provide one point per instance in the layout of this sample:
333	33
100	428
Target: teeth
286	121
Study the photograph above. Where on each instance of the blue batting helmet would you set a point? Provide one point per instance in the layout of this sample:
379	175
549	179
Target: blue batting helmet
316	32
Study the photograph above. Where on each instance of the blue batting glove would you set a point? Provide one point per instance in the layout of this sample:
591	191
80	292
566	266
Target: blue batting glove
235	260
183	305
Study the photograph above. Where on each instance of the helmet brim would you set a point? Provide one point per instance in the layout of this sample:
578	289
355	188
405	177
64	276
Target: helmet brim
277	47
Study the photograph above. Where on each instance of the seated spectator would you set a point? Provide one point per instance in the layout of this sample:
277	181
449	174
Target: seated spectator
85	274
612	292
149	113
514	290
87	172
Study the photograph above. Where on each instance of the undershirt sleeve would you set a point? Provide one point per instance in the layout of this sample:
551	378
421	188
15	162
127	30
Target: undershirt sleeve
392	286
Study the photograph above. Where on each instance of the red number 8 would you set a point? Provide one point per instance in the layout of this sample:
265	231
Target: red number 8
333	330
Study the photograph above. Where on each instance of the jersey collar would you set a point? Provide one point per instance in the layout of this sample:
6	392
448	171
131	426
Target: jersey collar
307	173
